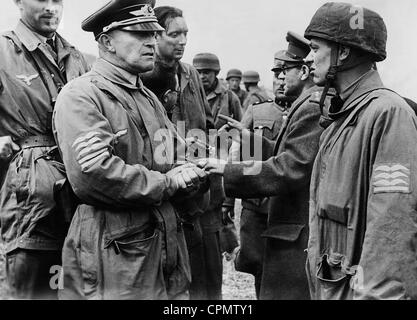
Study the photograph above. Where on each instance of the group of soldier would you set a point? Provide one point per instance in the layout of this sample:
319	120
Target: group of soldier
125	173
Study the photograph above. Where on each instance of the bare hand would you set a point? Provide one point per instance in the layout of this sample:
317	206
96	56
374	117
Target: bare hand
187	176
213	166
7	148
236	125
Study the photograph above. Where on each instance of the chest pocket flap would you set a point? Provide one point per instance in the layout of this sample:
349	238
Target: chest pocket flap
259	124
285	232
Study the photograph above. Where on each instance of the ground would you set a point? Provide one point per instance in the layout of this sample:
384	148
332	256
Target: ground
236	285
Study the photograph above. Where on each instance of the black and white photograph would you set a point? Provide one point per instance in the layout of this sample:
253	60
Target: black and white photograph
222	152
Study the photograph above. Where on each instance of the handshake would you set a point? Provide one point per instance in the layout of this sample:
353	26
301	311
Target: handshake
191	176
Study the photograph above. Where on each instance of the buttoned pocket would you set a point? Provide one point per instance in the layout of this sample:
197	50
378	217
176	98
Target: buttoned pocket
335	214
134	260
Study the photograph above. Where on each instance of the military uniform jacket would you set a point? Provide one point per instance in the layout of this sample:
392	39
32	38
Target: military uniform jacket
267	120
363	199
242	95
285	176
194	108
30	79
257	96
224	101
125	241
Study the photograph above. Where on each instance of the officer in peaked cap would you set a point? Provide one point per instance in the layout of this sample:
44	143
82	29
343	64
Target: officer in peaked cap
128	15
294	60
234	79
135	247
298	50
281	234
278	82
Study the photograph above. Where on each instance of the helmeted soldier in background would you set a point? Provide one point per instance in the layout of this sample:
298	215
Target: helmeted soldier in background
255	93
222	102
126	240
35	64
234	79
363	195
284	175
265	119
221	99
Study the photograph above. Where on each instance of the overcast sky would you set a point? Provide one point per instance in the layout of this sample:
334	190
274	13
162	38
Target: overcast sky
245	34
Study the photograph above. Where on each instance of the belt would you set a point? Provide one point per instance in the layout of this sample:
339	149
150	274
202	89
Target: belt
37	141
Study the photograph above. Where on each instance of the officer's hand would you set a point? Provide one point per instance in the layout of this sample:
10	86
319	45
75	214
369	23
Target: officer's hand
7	148
228	215
187	177
213	166
231	123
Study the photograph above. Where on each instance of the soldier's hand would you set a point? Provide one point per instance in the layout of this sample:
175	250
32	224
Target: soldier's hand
231	123
7	148
187	177
213	166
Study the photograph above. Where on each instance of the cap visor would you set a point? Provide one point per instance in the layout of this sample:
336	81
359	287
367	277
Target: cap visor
144	26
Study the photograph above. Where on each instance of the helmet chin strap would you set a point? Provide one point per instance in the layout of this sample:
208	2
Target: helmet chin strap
335	67
330	76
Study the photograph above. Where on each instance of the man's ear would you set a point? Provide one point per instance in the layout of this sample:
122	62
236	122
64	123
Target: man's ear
106	41
159	35
344	53
305	73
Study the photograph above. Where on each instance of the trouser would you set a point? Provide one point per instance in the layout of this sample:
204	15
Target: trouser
33	275
194	239
252	247
228	236
214	264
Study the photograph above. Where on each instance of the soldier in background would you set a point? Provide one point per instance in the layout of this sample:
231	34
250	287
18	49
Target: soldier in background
179	88
284	175
222	102
266	119
234	79
36	62
255	93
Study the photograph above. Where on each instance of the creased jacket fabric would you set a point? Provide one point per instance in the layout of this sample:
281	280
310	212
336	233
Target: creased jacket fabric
285	177
363	199
30	79
125	241
265	119
256	96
